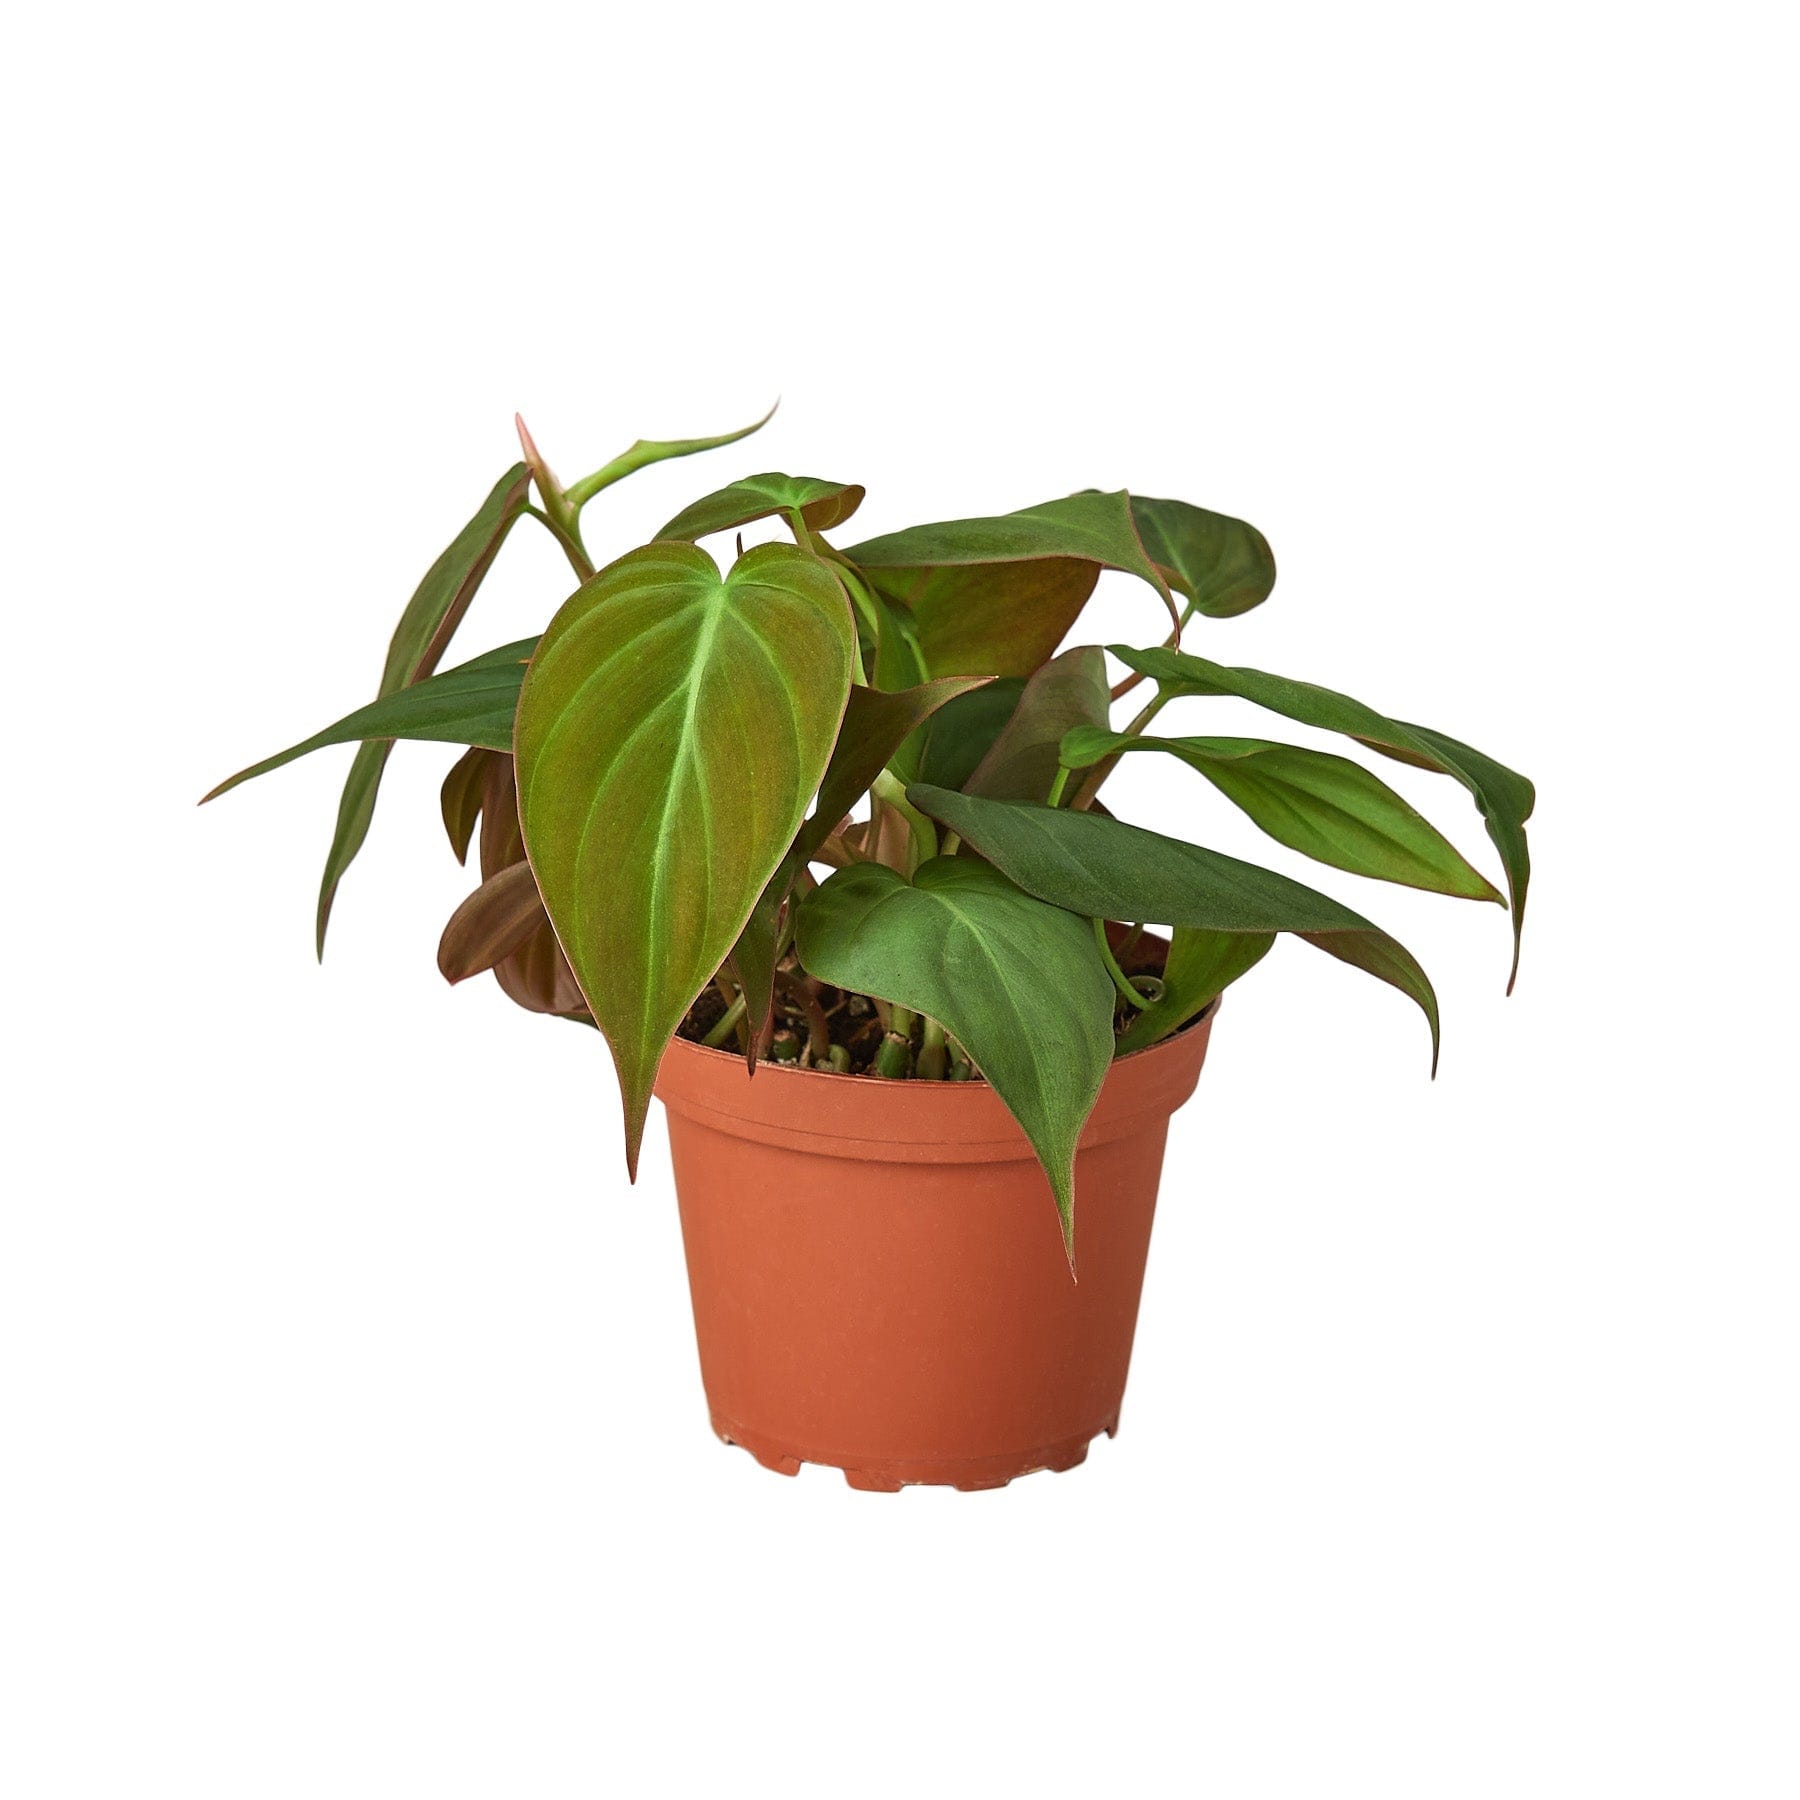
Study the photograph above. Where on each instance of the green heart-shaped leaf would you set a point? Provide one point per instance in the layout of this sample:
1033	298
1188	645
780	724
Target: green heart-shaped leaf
1504	797
417	647
1106	869
1068	692
673	725
1199	967
875	725
1326	807
822	504
1020	985
470	704
996	596
1221	565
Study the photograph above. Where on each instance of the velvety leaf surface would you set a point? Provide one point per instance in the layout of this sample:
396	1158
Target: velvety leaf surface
1020	985
1199	968
1324	806
996	596
1068	692
1221	565
672	728
417	647
471	704
491	924
1504	797
949	746
822	504
875	725
899	659
1106	869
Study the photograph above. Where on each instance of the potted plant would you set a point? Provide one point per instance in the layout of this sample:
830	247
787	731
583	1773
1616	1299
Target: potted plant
916	1238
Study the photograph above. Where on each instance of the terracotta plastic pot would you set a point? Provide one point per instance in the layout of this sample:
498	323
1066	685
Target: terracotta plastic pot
877	1275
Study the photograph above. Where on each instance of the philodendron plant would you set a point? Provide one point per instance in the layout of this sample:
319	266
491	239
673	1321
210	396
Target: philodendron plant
660	778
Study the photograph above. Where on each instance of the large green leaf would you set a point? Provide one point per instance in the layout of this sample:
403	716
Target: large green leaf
1068	693
1020	985
1505	798
417	647
875	725
822	504
1326	807
673	725
1221	565
1106	869
470	704
996	596
1199	968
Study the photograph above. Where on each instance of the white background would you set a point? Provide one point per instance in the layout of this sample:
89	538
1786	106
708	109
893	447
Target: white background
352	1433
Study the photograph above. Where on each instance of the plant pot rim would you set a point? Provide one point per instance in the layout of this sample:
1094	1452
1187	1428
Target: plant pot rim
867	1118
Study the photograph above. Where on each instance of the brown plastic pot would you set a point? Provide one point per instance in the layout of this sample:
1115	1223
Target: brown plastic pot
877	1274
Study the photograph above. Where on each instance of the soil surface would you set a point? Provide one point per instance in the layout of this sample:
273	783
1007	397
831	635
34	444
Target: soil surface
811	1016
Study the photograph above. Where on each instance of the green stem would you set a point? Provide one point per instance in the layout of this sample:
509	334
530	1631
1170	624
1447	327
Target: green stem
1119	977
895	1054
934	1057
569	538
1059	786
1084	796
726	1026
579	493
889	792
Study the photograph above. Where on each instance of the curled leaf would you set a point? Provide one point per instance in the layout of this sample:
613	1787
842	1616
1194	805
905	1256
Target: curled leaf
491	924
821	504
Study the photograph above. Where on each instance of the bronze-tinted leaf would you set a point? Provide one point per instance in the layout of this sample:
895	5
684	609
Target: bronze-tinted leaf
537	975
996	596
491	924
1023	761
460	798
673	726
